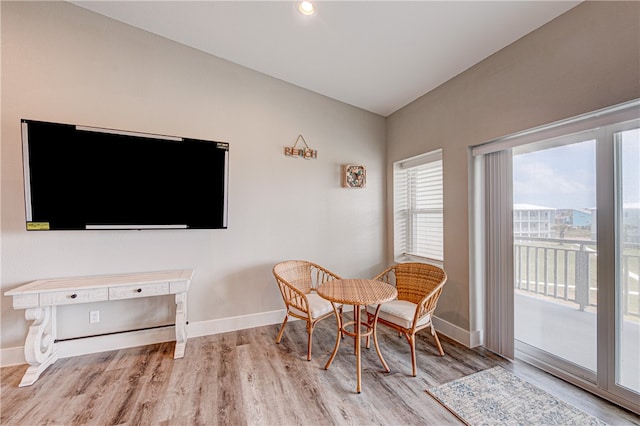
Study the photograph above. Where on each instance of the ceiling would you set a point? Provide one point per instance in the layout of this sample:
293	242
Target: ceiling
375	55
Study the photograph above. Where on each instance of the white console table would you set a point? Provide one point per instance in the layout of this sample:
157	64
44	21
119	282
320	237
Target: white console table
41	297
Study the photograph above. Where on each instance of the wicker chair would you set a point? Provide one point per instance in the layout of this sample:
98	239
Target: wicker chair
419	286
298	281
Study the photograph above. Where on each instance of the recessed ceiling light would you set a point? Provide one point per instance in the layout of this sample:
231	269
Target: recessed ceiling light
306	7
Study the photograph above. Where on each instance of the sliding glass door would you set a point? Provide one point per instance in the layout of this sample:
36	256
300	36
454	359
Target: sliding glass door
576	238
555	252
626	363
556	233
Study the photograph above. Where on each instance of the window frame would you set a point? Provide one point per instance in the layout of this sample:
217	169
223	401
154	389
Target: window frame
407	235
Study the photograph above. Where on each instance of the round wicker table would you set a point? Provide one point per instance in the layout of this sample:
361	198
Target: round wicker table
359	293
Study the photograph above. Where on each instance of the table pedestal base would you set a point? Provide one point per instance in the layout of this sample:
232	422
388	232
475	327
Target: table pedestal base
357	334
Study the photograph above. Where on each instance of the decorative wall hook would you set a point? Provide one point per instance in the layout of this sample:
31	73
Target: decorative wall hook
306	153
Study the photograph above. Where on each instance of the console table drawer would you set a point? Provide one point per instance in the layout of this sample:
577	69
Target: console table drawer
132	291
73	296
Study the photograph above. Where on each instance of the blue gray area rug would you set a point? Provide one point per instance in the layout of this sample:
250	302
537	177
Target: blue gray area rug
497	397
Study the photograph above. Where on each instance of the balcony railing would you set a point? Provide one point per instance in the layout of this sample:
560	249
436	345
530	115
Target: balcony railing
566	269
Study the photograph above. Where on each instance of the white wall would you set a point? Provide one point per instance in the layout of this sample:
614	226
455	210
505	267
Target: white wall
65	64
586	59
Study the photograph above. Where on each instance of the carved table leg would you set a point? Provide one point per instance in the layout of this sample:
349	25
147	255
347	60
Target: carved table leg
39	348
181	325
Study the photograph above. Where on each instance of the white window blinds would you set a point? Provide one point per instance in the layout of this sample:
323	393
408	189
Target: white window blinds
418	211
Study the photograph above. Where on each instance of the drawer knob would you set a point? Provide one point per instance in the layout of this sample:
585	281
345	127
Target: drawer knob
139	290
73	296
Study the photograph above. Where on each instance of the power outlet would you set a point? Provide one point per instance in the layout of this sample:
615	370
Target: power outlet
94	317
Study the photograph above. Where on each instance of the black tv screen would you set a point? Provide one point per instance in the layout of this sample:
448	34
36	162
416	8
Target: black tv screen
79	177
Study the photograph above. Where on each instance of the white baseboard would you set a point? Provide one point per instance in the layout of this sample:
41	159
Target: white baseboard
470	339
69	348
476	338
89	345
112	342
12	356
223	325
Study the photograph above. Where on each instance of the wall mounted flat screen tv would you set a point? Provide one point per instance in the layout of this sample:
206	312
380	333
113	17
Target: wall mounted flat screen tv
79	178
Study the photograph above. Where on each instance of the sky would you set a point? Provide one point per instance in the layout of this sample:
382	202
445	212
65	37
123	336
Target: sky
565	176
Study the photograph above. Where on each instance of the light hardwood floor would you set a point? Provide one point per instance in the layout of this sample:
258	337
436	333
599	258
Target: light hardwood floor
245	378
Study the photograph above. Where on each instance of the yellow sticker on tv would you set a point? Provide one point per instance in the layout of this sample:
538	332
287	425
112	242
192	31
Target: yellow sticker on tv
37	226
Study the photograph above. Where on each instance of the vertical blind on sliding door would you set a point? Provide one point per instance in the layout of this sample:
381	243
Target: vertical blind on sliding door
498	252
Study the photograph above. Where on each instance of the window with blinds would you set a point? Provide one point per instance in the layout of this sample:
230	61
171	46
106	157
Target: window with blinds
418	211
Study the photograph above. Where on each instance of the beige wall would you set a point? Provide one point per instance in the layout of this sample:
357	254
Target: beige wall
586	59
65	64
62	63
